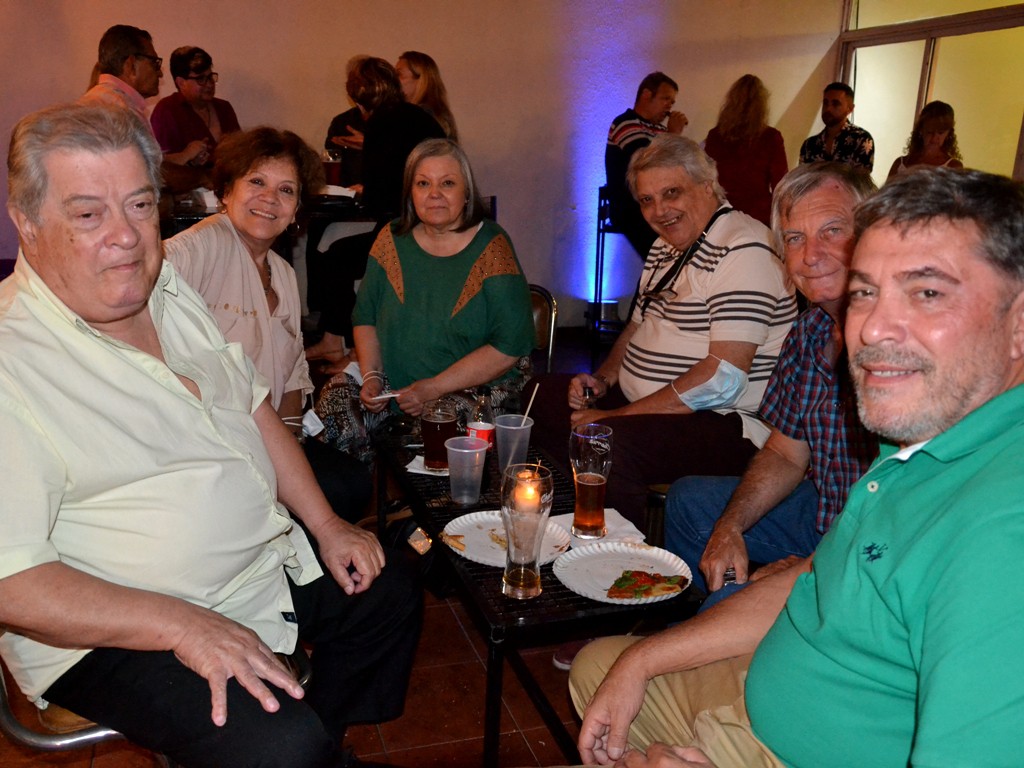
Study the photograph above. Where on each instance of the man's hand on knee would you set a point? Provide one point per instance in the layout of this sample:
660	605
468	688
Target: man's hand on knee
609	714
218	649
353	555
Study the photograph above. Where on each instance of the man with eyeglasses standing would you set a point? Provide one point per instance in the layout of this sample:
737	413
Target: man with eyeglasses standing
130	70
189	123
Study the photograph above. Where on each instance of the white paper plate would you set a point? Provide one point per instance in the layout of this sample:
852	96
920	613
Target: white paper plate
591	570
477	527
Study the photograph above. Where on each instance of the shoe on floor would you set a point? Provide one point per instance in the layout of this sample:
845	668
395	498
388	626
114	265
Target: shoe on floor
567	652
348	759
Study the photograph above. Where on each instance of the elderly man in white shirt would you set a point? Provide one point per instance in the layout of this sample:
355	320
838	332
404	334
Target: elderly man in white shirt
148	566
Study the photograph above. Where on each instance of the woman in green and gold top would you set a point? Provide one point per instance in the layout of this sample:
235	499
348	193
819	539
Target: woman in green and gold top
444	305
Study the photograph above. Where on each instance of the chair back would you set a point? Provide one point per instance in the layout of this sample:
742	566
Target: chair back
491	206
604	211
545	321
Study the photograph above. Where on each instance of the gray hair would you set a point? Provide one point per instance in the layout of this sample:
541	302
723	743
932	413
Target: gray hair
994	204
667	150
804	179
474	211
72	127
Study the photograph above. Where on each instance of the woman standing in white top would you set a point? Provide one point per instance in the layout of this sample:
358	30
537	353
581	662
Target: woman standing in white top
932	142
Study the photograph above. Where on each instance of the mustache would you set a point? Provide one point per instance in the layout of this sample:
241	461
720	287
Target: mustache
898	358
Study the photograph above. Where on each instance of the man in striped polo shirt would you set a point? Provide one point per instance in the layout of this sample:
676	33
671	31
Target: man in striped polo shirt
713	308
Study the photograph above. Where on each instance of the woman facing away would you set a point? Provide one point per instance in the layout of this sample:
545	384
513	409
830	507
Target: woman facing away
750	155
393	128
260	177
422	85
444	306
932	141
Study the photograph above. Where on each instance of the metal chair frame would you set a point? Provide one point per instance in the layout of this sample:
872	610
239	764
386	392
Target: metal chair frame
600	328
545	332
19	733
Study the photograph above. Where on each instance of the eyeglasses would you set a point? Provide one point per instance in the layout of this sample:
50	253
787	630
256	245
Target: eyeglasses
157	61
210	77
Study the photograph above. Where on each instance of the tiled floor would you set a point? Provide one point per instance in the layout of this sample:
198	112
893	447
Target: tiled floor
443	721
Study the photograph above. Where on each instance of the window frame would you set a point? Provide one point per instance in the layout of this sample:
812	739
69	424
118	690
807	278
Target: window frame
930	31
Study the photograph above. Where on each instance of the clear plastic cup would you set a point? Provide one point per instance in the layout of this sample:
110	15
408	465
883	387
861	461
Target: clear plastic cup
512	437
466	457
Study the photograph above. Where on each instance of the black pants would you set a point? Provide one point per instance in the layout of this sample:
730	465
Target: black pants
345	481
343	264
646	449
363	647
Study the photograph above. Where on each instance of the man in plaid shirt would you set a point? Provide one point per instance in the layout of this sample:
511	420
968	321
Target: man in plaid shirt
798	482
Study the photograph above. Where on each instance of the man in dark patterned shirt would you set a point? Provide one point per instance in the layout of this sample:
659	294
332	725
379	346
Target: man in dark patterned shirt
798	482
651	114
841	140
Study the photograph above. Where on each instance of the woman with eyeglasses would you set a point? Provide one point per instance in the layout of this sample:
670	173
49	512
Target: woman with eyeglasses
191	122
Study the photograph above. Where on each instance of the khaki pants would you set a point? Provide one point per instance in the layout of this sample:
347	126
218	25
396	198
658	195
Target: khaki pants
701	707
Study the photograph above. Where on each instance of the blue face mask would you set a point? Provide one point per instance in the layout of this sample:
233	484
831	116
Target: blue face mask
723	389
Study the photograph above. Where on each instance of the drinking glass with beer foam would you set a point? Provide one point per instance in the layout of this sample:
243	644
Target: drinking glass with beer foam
438	422
590	453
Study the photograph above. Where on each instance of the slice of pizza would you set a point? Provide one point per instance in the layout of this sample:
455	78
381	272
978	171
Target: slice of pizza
454	540
640	584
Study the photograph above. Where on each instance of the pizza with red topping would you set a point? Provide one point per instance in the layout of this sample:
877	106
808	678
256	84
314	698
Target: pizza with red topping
639	584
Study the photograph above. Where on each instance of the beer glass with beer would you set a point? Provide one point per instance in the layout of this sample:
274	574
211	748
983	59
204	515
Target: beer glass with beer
590	453
527	491
437	423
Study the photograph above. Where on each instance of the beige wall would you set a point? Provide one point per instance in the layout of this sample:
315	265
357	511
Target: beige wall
533	83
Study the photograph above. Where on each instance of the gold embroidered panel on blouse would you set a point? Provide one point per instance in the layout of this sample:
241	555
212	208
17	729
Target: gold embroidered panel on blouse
385	253
497	259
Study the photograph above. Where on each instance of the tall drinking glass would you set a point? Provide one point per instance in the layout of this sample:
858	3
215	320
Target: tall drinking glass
527	491
590	453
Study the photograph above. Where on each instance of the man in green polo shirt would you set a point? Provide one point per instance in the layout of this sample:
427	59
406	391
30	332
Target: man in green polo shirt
902	644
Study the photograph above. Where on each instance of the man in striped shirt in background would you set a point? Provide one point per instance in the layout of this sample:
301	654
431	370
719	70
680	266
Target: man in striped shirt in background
630	132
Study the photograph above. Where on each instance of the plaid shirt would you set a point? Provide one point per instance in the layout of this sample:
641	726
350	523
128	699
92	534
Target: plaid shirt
808	400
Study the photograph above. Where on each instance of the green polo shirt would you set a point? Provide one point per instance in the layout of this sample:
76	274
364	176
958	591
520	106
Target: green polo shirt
905	643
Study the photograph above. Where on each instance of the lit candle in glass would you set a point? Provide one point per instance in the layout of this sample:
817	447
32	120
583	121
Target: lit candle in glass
527	495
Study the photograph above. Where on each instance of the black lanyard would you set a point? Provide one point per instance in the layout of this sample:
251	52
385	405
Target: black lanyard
672	273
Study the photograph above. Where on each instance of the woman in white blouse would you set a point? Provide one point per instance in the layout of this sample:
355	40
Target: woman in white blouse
260	177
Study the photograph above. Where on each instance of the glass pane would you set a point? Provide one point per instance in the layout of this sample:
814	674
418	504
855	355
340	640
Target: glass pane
988	119
876	13
886	83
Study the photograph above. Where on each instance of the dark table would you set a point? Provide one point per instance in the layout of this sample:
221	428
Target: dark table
179	212
508	625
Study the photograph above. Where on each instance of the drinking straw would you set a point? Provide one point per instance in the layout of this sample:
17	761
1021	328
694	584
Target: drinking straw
530	404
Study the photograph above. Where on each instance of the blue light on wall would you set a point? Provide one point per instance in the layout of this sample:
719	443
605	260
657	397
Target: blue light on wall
604	65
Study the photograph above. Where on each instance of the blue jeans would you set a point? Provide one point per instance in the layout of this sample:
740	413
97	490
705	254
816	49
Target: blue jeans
695	503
